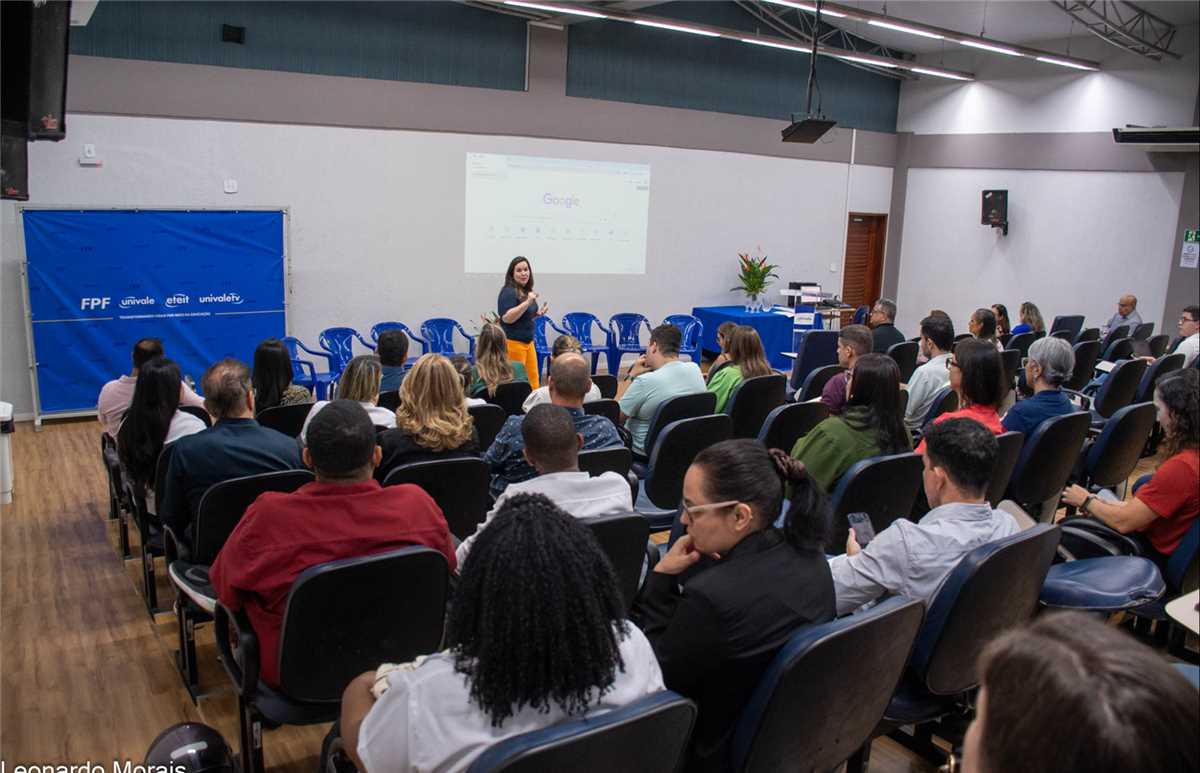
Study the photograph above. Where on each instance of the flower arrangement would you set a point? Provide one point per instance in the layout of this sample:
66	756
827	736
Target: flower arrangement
755	275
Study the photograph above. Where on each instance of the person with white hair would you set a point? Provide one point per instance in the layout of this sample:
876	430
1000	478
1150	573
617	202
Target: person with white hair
1048	366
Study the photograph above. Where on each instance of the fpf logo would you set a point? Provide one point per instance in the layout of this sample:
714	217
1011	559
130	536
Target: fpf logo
89	304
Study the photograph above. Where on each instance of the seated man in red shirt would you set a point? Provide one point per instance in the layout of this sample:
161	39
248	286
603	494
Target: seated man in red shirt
345	513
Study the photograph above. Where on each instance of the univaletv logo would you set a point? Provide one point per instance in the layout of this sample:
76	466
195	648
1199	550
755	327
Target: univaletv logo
129	301
567	202
230	298
178	299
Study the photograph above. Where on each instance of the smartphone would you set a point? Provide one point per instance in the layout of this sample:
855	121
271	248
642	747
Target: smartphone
864	532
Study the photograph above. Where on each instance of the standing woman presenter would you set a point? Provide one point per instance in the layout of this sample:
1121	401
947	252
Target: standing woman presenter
517	308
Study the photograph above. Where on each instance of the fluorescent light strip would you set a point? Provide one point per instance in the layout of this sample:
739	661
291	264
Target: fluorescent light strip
990	47
556	9
675	28
861	60
902	28
769	44
1065	63
808	8
940	74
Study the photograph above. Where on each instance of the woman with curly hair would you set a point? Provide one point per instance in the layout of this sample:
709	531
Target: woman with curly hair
1164	507
536	635
432	421
492	365
746	585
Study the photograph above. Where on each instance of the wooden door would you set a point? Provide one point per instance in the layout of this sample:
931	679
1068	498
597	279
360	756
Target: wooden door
862	276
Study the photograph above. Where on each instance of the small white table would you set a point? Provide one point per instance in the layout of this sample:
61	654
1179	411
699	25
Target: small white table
1183	611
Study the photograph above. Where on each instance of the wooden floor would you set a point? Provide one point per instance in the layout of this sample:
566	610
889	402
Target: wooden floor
86	675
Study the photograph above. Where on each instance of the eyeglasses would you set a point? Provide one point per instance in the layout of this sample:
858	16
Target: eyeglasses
1187	319
691	510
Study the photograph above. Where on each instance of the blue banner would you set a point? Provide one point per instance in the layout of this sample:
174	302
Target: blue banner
209	284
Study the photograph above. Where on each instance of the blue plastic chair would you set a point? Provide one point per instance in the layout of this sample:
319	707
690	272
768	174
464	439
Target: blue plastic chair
816	349
650	734
304	372
624	337
822	696
438	334
692	330
339	343
579	324
540	344
378	328
861	314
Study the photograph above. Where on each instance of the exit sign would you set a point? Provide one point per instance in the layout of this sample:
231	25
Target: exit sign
1191	235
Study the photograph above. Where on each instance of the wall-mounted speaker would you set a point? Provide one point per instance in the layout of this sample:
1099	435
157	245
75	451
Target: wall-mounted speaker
35	49
995	208
14	162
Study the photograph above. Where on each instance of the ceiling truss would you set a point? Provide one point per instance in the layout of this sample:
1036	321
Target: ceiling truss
1124	25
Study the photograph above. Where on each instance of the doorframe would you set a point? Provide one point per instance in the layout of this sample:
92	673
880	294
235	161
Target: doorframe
883	248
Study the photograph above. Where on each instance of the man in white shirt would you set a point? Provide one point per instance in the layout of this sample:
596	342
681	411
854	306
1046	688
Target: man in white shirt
1189	335
658	375
912	559
937	343
116	395
552	448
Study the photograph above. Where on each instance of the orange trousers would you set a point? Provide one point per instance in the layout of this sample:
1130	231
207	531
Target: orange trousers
527	356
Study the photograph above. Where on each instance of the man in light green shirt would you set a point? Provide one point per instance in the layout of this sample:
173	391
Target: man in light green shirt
658	375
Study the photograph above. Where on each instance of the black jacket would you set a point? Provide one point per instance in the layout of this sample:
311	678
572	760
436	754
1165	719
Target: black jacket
400	448
885	336
716	637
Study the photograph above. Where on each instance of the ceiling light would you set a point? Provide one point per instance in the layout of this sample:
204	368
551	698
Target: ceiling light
808	8
990	47
861	60
1065	63
902	28
556	9
940	74
770	44
676	28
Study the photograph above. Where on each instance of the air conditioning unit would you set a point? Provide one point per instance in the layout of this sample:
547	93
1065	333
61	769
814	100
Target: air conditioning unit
1159	139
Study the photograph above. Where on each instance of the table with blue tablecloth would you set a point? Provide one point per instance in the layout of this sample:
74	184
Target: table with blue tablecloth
774	328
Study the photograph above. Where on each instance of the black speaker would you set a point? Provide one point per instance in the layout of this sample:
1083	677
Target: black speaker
995	208
35	49
14	162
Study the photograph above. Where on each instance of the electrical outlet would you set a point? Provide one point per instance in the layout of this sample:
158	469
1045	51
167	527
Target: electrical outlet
231	186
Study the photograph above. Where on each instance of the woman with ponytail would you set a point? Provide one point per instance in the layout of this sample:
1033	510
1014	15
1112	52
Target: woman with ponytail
751	585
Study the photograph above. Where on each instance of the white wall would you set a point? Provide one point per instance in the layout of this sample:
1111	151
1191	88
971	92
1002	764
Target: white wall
377	216
1077	241
1019	95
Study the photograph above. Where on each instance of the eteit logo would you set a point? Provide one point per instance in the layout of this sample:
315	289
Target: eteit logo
178	299
230	298
129	301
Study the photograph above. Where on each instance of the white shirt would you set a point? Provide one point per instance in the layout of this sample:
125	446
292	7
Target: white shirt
542	395
116	395
922	386
182	424
426	721
1189	348
380	417
578	493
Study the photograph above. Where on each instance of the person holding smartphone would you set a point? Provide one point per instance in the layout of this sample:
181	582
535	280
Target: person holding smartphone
517	307
911	559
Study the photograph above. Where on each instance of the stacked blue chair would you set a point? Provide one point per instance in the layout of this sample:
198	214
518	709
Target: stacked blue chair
580	324
304	372
692	330
624	337
816	349
378	328
338	342
438	335
540	344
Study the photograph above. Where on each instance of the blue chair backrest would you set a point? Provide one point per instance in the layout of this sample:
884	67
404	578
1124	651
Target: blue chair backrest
540	342
1047	457
650	734
303	371
1119	389
625	330
1116	452
691	328
883	487
379	327
993	588
945	400
816	349
339	342
1168	363
580	323
1184	557
822	696
439	336
860	315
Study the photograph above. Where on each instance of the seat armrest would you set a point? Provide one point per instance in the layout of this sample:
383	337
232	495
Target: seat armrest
238	646
1085	402
173	548
1097	533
